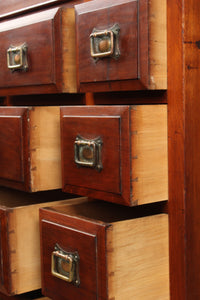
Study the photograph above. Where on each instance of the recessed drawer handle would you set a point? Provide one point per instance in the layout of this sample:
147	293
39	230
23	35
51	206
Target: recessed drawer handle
105	43
17	58
65	265
87	153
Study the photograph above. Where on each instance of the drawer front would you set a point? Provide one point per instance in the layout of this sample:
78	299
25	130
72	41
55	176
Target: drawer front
14	143
91	152
112	41
60	243
30	51
95	152
16	5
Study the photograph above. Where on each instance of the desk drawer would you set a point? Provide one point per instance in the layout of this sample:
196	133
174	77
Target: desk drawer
15	6
99	251
19	238
30	148
121	45
33	59
115	153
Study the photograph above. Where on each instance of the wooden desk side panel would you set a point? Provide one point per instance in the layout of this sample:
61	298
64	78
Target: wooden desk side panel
184	148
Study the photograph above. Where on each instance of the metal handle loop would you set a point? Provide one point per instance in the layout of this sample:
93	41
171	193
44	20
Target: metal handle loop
65	265
17	58
105	43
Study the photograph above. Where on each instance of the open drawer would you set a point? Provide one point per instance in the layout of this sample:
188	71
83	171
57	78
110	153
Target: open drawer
98	250
18	6
38	53
121	45
19	238
115	153
30	148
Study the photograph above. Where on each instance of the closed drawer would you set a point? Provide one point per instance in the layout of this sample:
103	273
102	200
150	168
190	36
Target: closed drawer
15	6
99	251
115	153
19	238
121	45
33	59
30	148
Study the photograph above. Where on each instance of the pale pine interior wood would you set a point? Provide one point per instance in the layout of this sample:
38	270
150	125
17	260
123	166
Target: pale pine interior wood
24	245
45	156
69	51
149	153
138	259
158	44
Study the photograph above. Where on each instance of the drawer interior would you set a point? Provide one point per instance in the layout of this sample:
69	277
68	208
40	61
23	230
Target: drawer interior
108	212
14	199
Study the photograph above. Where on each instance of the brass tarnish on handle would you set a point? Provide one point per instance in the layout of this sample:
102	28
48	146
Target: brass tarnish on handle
87	153
65	265
105	43
17	58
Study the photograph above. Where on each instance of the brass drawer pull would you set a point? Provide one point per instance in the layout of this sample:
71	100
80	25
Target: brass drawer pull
87	153
105	43
65	265
17	58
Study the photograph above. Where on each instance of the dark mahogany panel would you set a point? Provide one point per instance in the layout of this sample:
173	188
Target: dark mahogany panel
4	252
14	146
86	238
132	63
111	125
10	7
39	32
184	148
90	128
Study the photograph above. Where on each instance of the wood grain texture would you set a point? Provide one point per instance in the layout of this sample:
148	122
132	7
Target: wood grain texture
192	146
158	44
184	179
138	259
149	153
45	157
176	120
68	50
